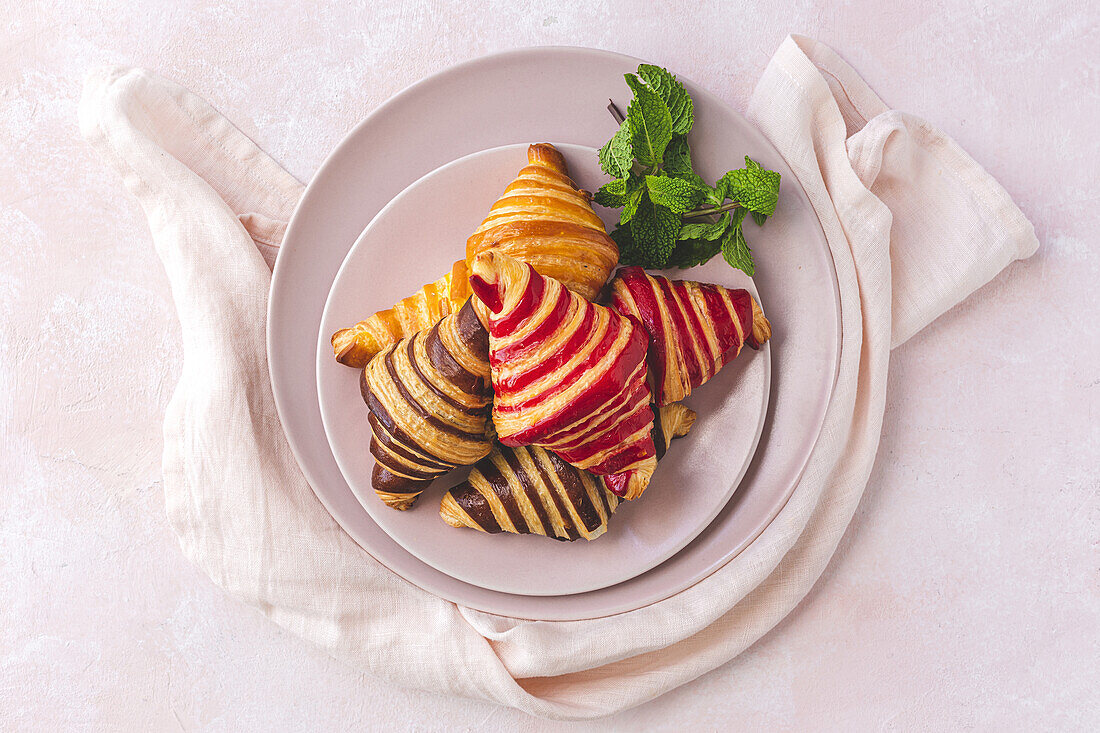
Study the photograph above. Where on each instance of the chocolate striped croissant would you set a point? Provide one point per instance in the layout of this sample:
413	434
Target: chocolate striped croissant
357	345
529	490
568	375
544	220
695	328
429	400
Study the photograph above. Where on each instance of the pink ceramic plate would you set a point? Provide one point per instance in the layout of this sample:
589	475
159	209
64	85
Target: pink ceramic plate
550	94
402	248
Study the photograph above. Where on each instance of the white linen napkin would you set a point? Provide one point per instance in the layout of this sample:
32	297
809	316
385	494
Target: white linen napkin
914	226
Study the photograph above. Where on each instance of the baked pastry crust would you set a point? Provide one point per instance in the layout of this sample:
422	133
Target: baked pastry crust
429	399
357	345
543	219
530	490
568	375
695	328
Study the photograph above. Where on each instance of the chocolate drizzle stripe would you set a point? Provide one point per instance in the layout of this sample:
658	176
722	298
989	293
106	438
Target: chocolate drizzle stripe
509	495
596	494
446	364
563	522
602	493
386	455
471	497
474	412
660	443
417	408
530	490
402	445
574	493
551	467
501	496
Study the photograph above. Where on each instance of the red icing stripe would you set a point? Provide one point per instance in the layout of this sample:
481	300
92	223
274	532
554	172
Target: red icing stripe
611	379
640	290
555	361
626	426
554	320
680	331
724	329
609	385
742	305
527	304
631	455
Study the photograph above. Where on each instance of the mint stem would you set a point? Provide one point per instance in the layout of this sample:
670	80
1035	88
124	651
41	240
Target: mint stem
619	117
700	213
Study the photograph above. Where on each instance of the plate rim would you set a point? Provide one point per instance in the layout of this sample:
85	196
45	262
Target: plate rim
432	585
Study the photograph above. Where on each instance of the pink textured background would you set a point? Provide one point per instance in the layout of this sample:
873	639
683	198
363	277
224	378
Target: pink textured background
967	590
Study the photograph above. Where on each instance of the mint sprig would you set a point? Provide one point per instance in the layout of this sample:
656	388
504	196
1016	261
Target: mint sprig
670	216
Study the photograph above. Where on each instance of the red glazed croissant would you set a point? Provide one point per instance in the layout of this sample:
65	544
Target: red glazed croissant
568	375
695	328
429	398
529	490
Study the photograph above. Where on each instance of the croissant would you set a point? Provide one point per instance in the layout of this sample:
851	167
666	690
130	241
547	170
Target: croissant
429	400
544	220
695	328
357	345
529	490
568	375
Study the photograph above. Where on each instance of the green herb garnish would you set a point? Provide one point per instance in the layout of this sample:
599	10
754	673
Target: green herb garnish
670	216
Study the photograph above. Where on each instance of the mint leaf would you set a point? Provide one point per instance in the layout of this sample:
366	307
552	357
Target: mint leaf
759	218
650	123
677	158
654	229
692	252
628	252
634	197
613	195
678	195
616	156
710	231
753	187
735	251
673	94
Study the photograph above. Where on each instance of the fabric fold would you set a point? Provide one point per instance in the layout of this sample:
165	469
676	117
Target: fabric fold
914	225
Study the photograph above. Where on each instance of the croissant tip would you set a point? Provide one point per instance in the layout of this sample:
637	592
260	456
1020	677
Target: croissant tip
685	419
449	511
546	154
761	327
454	515
400	502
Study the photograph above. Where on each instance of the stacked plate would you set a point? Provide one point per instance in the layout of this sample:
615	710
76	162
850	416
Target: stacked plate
391	209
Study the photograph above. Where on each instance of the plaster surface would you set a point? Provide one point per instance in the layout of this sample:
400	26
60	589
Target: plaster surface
966	593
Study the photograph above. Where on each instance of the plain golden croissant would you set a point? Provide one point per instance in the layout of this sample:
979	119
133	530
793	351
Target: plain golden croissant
568	375
357	345
544	220
695	328
529	490
430	400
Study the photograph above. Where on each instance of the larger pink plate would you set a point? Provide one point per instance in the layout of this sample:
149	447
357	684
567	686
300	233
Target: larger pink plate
554	94
402	248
